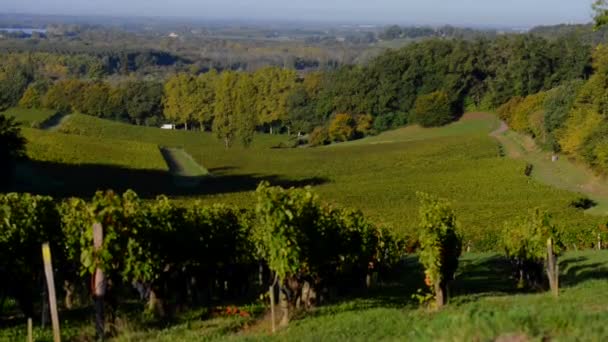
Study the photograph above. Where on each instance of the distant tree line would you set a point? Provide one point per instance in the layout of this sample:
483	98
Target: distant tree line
415	32
431	83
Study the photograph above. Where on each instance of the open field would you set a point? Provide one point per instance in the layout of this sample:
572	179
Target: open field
73	149
30	117
379	175
484	307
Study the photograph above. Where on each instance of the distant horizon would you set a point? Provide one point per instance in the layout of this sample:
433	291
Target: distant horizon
465	13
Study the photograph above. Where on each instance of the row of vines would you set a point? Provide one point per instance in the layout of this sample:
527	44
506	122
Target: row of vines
170	256
292	247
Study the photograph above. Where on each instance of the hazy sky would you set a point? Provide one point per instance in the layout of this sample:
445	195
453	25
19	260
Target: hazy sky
458	12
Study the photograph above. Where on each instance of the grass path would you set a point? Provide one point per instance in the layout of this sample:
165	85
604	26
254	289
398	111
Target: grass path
563	173
55	122
183	167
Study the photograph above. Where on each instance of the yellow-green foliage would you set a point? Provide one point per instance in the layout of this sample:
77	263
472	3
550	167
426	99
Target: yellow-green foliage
342	127
581	124
520	119
587	117
507	109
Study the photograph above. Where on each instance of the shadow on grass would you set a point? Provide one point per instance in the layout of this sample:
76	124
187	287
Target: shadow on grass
395	290
482	277
66	180
574	271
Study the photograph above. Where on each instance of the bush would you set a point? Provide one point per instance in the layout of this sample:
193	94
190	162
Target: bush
319	136
433	110
506	111
364	124
342	128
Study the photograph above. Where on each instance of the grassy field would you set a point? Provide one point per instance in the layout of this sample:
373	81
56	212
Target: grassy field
73	149
30	117
379	175
485	306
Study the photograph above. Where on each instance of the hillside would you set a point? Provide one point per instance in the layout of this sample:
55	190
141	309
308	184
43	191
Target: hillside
379	175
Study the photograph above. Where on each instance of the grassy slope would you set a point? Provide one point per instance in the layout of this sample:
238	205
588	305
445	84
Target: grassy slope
380	175
72	149
475	315
29	117
563	174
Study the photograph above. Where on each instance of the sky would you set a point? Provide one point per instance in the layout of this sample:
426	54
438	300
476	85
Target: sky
433	12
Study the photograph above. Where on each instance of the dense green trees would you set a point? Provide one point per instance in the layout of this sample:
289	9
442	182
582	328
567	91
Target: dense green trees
430	82
12	148
432	110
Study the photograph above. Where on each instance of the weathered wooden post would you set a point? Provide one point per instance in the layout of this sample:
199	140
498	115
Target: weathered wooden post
48	271
30	334
271	291
552	268
99	284
599	241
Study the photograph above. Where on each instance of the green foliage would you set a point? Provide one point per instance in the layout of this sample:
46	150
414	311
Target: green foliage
27	221
524	240
440	242
298	236
12	148
432	110
600	7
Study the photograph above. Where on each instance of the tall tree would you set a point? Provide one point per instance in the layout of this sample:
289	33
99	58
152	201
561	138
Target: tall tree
142	100
245	109
600	7
225	120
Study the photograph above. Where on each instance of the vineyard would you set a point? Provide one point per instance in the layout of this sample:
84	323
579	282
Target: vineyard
204	262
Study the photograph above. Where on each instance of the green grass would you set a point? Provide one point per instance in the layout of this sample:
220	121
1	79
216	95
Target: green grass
30	117
379	175
73	149
485	305
562	174
181	163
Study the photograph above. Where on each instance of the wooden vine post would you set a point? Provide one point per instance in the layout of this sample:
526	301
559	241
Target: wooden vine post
50	281
99	283
272	302
552	268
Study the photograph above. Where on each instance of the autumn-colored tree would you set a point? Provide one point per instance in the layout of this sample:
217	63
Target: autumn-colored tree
32	98
64	96
177	102
273	87
95	100
364	124
342	127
